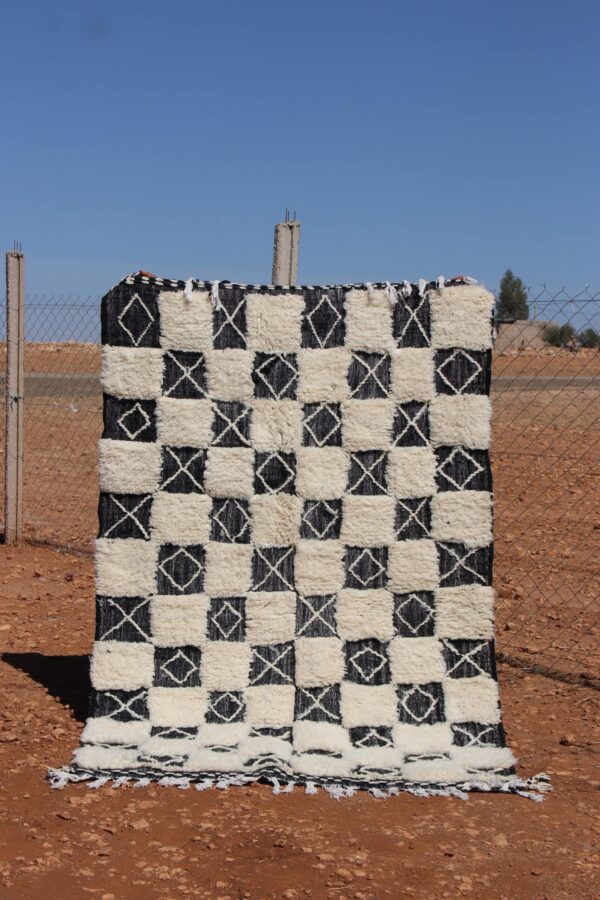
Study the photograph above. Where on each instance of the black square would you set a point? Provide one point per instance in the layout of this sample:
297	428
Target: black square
366	567
129	420
225	707
272	664
322	425
182	470
318	704
125	515
226	619
460	564
477	734
121	706
367	662
229	318
411	424
231	424
180	569
421	704
372	737
412	321
184	375
273	569
323	322
123	619
462	469
414	614
469	658
321	519
274	472
275	376
369	375
413	518
315	616
177	666
368	472
130	316
230	521
459	371
174	732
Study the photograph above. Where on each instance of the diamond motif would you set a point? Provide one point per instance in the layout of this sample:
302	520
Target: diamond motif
420	704
461	371
134	421
366	567
461	469
323	321
275	473
367	662
135	319
177	666
322	425
321	519
414	614
180	569
226	707
275	375
227	619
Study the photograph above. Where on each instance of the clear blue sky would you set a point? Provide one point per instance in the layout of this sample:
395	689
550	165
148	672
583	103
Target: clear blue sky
413	139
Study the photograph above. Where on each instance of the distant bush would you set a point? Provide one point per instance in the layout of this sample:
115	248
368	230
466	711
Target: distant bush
589	338
558	335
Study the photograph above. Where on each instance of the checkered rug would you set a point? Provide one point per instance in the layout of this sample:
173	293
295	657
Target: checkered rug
295	550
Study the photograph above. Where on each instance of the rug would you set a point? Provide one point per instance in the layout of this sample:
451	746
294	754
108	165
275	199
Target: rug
294	562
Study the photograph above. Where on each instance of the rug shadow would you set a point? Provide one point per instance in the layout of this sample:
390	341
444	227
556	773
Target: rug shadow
65	677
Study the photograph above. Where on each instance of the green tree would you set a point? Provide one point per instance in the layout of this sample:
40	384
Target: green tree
512	300
589	338
558	335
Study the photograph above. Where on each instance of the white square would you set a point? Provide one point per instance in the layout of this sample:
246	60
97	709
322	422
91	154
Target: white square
178	621
228	569
129	466
310	735
225	665
365	614
276	425
416	660
229	472
181	518
465	612
322	472
134	372
271	706
118	665
184	707
412	374
472	700
367	521
363	704
185	324
436	738
367	424
413	566
184	423
461	317
411	472
464	420
125	568
275	519
319	661
319	567
270	617
323	375
369	320
274	322
229	375
462	516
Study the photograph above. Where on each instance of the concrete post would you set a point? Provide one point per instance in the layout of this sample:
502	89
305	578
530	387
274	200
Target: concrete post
15	389
286	247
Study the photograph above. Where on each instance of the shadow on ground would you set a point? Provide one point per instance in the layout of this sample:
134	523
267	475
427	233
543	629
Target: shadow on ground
65	677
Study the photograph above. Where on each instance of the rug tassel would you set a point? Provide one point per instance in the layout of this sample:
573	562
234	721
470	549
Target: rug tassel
214	295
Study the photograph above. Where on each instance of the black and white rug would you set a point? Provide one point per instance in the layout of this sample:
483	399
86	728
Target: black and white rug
294	562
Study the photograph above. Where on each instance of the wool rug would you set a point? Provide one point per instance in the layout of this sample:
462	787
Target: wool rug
294	561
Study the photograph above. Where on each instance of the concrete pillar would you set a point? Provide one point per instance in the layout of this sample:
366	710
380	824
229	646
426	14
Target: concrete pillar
286	246
15	389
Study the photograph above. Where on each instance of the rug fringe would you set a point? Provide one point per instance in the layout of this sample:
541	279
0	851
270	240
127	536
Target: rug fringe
534	788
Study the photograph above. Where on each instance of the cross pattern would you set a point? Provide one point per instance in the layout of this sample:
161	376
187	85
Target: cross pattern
180	569
321	519
273	569
184	375
367	474
123	706
177	666
413	518
318	704
315	616
366	567
421	704
272	664
230	521
467	658
458	371
229	319
411	424
275	375
323	324
226	707
369	375
231	424
135	319
125	515
414	614
367	662
322	425
183	470
460	564
476	734
123	619
227	619
412	322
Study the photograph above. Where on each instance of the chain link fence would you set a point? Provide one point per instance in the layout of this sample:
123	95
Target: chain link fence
545	455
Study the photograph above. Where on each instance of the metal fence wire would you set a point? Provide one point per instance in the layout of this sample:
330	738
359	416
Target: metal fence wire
545	457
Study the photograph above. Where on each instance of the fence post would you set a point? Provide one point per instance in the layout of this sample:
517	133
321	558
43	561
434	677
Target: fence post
286	247
15	390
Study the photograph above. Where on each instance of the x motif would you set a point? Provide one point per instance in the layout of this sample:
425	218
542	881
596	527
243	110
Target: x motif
461	563
125	310
126	617
323	341
413	317
371	372
413	516
272	664
474	740
468	657
183	468
186	374
183	552
231	425
316	704
127	706
230	320
367	473
129	514
317	615
412	422
273	568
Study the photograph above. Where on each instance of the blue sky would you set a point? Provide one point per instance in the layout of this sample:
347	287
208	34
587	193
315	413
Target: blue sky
413	139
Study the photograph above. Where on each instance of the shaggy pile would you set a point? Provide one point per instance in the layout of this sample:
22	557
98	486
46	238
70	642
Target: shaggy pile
294	561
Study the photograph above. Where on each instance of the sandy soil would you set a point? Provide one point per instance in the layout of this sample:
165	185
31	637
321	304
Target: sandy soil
167	843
